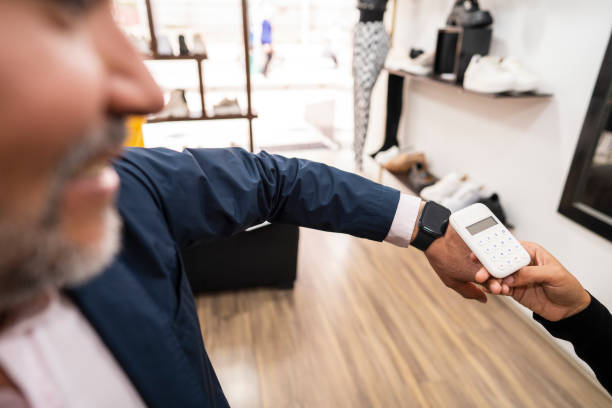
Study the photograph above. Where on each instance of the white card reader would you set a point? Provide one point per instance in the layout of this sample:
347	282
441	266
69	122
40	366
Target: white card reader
494	246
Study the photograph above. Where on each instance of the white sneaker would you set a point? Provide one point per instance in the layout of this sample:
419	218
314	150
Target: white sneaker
467	194
524	80
421	65
227	107
443	188
163	46
486	75
386	155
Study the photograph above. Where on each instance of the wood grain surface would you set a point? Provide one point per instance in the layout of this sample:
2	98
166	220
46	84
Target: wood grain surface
370	325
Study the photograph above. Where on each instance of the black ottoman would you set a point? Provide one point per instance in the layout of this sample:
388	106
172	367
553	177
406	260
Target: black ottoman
262	257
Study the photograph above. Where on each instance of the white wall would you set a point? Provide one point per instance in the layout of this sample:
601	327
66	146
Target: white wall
520	148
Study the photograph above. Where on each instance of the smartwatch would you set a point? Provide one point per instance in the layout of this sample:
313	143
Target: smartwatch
432	225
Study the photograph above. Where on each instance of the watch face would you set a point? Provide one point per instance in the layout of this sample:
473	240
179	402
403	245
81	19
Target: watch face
434	218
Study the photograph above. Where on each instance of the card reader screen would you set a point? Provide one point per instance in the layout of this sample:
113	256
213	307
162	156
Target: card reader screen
481	225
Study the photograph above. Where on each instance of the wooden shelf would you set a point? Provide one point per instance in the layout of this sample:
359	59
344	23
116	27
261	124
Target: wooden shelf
431	78
176	57
153	55
191	118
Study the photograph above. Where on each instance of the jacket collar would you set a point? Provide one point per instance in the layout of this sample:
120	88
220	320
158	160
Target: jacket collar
141	338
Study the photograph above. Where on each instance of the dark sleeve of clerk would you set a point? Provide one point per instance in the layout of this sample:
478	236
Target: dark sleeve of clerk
590	332
205	194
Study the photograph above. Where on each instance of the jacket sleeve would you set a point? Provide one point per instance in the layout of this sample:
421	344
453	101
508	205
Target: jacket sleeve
590	332
206	194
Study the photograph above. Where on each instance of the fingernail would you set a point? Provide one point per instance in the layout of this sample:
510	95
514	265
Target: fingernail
510	280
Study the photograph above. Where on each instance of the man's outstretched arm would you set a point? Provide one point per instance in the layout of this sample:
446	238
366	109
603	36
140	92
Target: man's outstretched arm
206	194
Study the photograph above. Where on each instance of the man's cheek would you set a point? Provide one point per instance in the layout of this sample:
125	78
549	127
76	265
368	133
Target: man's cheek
20	201
66	90
72	102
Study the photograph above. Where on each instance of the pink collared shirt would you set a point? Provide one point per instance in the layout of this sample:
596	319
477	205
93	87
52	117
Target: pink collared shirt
57	360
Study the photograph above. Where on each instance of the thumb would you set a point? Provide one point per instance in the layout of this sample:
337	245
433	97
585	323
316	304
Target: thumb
526	276
482	275
470	291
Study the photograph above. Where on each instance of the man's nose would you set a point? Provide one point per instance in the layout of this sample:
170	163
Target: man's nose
130	87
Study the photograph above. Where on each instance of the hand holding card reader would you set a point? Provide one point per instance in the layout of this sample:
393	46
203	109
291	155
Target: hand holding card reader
494	246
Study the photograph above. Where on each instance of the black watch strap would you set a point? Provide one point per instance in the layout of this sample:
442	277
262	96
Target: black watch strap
432	225
423	240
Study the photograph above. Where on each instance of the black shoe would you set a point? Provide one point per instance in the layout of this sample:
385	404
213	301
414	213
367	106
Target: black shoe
419	178
495	207
183	50
467	13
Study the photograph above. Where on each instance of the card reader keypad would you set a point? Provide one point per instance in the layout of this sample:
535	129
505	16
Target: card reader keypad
505	253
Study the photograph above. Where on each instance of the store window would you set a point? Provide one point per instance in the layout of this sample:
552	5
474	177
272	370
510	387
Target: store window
299	62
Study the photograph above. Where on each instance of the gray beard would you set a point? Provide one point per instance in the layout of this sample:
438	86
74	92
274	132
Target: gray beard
35	256
36	259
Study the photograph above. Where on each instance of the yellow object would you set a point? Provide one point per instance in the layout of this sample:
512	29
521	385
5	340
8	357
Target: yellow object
134	131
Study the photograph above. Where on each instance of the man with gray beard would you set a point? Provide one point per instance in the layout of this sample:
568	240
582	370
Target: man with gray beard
95	307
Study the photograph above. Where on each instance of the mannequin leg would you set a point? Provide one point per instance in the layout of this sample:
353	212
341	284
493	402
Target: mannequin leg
371	45
362	98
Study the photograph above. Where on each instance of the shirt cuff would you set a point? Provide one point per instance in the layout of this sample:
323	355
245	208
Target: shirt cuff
404	221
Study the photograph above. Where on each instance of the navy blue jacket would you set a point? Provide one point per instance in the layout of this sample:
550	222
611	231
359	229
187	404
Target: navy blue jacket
142	305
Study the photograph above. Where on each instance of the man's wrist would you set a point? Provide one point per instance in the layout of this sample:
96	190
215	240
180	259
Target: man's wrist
404	221
431	224
415	232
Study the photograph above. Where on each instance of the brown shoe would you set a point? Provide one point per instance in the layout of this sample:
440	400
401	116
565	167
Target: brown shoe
419	178
403	162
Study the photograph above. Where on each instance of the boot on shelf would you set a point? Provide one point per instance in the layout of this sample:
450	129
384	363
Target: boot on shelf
163	46
176	106
199	47
183	50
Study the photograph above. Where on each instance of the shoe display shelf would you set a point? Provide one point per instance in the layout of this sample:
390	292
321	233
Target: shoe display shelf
199	58
432	78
